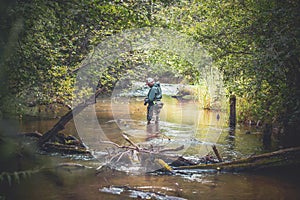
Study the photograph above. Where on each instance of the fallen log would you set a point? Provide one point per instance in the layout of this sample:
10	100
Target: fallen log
100	89
60	125
280	158
65	149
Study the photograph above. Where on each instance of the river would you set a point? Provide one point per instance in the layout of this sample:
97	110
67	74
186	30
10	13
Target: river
181	123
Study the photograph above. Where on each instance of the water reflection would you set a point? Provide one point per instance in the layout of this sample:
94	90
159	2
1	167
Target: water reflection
152	131
231	138
185	123
182	123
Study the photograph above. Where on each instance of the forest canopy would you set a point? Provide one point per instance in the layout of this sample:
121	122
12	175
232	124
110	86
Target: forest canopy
254	44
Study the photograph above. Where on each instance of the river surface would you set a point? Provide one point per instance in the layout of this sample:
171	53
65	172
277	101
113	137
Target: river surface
181	123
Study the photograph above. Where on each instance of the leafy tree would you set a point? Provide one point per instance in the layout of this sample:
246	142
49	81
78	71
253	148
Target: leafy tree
53	38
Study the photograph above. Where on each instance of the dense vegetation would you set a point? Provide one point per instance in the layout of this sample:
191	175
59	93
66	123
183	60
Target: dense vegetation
254	44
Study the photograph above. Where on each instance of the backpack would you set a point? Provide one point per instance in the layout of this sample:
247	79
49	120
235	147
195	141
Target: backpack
158	96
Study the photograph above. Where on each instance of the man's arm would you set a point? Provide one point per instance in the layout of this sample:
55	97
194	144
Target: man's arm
152	93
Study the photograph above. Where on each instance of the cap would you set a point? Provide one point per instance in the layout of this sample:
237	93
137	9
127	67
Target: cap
150	80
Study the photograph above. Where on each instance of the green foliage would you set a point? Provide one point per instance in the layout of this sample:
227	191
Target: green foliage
52	39
170	64
255	44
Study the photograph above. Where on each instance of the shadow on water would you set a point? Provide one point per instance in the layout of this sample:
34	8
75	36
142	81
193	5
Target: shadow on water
182	123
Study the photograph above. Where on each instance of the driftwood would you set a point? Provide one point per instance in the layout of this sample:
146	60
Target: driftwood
151	157
280	158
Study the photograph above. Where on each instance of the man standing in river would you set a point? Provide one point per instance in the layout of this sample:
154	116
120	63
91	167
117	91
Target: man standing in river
153	100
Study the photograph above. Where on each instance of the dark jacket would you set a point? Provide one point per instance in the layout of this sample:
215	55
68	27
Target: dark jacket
154	93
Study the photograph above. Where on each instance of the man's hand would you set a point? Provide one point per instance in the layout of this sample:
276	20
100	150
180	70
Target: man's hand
145	101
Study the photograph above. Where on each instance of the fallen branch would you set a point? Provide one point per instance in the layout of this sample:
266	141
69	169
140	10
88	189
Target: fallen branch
278	158
121	147
217	153
132	143
171	149
60	125
142	149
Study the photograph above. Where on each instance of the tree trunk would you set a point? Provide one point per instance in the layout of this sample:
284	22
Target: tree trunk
60	125
232	116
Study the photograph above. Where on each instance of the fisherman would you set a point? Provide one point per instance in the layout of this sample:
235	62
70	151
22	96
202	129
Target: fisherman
153	100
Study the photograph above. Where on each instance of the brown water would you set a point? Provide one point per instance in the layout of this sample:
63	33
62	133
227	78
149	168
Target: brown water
181	124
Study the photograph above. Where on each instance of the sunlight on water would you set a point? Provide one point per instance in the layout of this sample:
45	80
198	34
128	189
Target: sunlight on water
181	123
